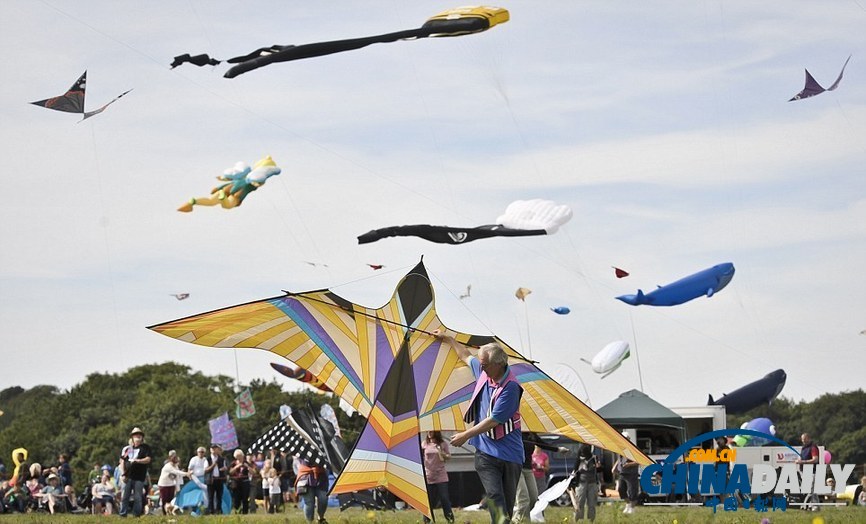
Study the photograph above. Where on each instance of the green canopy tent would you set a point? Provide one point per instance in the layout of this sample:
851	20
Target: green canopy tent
659	430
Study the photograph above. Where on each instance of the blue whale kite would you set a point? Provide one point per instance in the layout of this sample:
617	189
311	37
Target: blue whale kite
706	282
752	395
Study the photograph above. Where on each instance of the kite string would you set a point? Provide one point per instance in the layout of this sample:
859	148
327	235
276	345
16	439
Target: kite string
636	353
378	274
462	303
528	339
237	373
105	223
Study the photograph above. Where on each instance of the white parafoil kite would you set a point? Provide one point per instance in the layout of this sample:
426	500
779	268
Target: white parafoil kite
535	214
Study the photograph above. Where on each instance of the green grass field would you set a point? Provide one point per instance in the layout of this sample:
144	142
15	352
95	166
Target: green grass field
605	514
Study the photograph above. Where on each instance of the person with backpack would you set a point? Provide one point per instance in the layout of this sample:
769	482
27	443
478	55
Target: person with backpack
583	488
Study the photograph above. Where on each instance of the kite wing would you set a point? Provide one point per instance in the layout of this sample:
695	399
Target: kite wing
324	435
70	102
388	366
89	114
285	436
839	78
813	88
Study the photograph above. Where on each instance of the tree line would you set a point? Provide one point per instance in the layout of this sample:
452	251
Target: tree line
836	421
172	404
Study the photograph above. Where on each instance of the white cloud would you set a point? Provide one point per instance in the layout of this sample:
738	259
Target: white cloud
664	126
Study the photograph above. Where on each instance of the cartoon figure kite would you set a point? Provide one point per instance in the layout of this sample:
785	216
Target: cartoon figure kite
813	88
387	364
73	100
241	180
454	22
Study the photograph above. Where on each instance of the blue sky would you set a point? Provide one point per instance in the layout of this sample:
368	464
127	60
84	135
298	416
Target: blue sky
665	127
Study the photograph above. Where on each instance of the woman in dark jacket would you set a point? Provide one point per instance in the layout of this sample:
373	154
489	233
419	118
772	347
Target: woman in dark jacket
239	476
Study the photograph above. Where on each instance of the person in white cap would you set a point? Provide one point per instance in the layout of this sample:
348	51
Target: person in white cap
136	460
52	492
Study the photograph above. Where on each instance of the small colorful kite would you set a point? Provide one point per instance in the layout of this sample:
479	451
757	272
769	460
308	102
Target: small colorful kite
620	273
241	180
245	406
301	375
521	218
522	293
561	310
376	267
73	100
813	88
454	22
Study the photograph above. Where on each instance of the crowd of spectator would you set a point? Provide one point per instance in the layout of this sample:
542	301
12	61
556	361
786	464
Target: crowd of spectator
135	486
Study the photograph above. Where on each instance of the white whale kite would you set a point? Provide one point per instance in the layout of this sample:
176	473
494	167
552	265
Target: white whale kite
610	358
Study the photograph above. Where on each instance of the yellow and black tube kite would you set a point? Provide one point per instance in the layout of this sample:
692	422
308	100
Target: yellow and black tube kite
454	22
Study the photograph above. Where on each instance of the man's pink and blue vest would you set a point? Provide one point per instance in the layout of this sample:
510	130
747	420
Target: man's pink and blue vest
500	430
